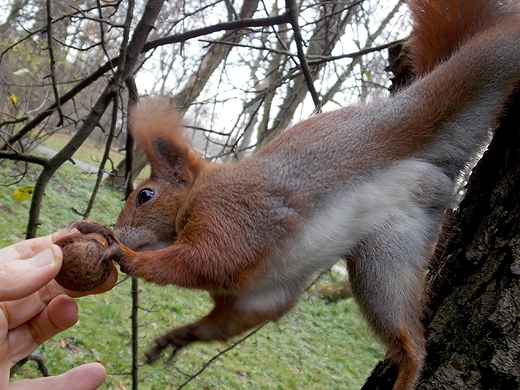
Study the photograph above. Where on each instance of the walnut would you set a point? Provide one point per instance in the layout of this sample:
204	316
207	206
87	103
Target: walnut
83	265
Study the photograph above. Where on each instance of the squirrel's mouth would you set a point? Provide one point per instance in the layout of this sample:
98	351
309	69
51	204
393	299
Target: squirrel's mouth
140	240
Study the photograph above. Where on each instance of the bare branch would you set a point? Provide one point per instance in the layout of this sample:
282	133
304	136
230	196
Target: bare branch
140	35
311	59
224	26
292	11
218	355
24	157
14	121
360	53
84	83
52	62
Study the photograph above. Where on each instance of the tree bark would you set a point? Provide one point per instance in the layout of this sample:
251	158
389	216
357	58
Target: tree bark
474	325
473	320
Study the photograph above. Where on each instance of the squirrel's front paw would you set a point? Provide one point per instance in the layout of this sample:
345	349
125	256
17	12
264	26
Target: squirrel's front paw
117	254
87	227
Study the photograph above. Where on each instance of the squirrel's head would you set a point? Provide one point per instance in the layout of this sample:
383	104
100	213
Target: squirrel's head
148	219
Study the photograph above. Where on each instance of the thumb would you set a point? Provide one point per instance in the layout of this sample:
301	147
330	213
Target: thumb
20	278
86	377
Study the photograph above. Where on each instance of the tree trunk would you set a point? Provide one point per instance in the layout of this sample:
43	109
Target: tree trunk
473	325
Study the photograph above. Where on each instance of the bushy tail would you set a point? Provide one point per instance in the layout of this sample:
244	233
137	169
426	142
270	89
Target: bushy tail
441	27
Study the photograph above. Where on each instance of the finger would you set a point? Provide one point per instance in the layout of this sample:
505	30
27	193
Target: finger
86	377
60	314
28	248
20	278
15	280
22	310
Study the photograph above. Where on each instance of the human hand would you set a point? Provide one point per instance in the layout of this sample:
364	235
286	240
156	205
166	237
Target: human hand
33	308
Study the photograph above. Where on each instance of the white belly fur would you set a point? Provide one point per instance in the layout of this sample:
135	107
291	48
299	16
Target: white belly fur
402	194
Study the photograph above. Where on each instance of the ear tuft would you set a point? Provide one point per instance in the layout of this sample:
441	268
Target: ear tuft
156	128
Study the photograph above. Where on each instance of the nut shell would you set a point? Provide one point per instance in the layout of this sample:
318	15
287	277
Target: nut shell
83	265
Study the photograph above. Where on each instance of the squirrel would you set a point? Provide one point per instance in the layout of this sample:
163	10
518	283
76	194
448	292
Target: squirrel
368	183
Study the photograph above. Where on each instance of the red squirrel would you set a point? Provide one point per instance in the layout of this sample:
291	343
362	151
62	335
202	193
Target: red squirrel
367	183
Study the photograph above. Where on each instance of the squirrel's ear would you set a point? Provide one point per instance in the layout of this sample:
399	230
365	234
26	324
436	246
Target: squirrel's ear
156	128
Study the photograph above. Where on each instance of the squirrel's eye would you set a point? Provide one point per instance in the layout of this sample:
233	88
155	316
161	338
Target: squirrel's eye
144	196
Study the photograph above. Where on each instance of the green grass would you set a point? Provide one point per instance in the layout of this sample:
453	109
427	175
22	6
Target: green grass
66	195
318	345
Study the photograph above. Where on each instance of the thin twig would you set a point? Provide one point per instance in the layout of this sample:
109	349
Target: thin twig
24	157
176	38
14	121
218	355
292	11
313	59
52	62
260	48
238	342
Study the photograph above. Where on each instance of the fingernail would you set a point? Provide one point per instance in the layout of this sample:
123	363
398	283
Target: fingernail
42	259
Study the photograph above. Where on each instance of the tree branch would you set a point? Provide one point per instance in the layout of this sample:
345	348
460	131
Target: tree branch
218	355
292	12
84	83
52	62
176	38
224	26
312	59
143	28
356	54
24	157
14	121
